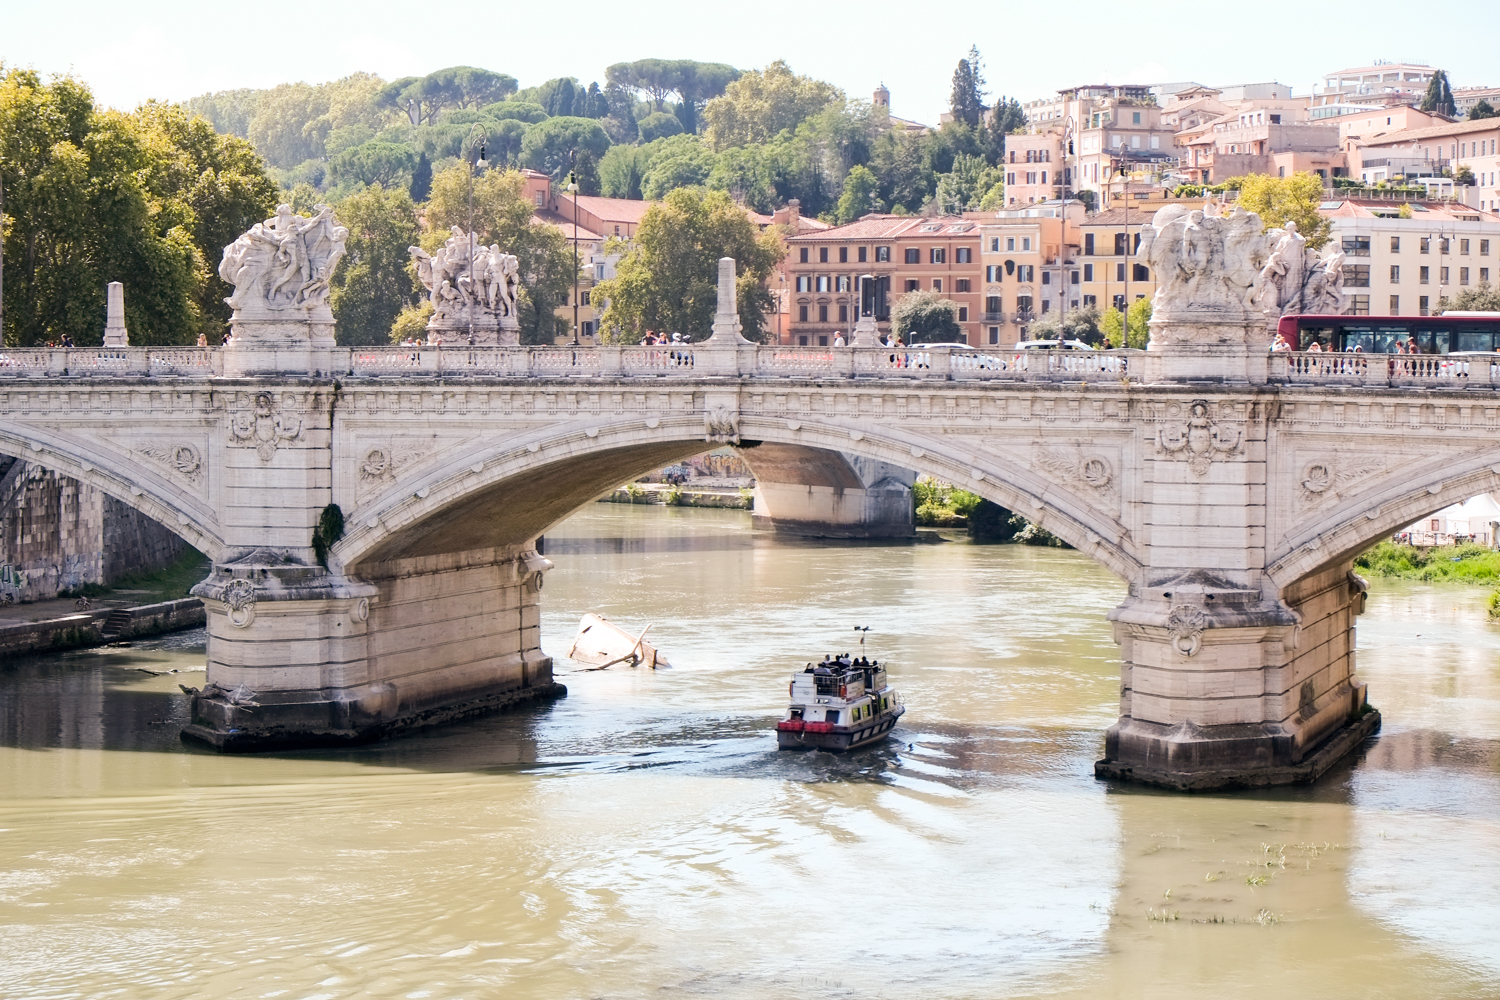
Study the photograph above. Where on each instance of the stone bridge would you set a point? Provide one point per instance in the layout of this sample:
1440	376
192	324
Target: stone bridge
1230	489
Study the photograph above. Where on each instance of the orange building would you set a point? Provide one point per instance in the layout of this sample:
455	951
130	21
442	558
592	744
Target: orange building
902	254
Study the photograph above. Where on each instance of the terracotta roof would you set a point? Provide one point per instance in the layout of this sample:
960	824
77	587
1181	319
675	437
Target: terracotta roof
1441	131
1116	216
612	209
887	227
548	218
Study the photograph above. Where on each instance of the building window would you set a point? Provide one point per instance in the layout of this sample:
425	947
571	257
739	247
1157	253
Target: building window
1046	305
1424	245
617	230
1121	244
1484	248
1140	272
1025	272
937	255
1357	276
960	284
912	284
1010	244
823	340
841	283
993	272
1484	275
1359	305
913	255
843	314
963	255
1395	274
1445	245
994	244
882	255
1119	272
584	299
1395	305
802	314
993	304
1072	277
994	335
1357	246
822	282
843	255
1025	244
538	198
804	283
802	341
1422	305
1463	276
1091	300
822	314
963	314
1046	277
1088	272
1135	117
1395	244
1442	275
1088	246
802	255
588	328
863	253
1463	247
822	255
1422	276
937	284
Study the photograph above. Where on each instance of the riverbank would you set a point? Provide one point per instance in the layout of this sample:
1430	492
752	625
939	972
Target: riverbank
668	495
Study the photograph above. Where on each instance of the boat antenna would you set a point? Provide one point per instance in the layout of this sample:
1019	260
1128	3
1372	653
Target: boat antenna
861	629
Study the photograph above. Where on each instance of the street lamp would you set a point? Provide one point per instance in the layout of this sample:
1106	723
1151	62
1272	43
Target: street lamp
1122	183
478	164
572	189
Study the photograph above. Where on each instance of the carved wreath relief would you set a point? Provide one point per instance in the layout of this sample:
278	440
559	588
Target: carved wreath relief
1323	479
721	425
1187	623
183	459
1078	467
239	597
1200	438
265	427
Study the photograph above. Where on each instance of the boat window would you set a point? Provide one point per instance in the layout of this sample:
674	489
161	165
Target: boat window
833	715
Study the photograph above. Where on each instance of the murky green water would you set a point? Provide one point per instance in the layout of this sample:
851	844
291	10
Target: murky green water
644	837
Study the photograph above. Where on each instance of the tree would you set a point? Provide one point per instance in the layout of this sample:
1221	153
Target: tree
503	215
595	104
280	117
214	186
423	98
1480	298
761	104
697	84
586	172
676	162
620	171
1006	118
382	163
547	144
967	96
965	186
1111	324
1464	176
228	111
374	282
667	278
656	78
421	178
80	212
1278	200
619	121
522	111
1075	324
1439	96
859	196
659	125
899	161
472	87
1481	109
748	175
925	318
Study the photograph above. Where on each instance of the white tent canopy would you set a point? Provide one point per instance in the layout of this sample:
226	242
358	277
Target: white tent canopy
1472	518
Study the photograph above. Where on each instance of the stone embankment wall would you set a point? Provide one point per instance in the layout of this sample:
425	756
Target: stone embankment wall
683	498
86	628
57	534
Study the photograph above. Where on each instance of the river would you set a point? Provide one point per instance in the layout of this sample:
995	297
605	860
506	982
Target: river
644	837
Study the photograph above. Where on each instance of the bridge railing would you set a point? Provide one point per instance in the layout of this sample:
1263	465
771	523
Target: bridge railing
1452	371
96	361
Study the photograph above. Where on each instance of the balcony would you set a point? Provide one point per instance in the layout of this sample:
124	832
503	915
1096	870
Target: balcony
995	317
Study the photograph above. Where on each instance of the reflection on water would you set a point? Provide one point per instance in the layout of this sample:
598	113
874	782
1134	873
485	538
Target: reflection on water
644	834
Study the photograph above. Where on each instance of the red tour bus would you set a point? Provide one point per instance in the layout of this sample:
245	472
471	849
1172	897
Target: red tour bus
1450	333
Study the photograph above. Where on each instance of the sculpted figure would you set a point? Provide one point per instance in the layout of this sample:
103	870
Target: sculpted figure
283	263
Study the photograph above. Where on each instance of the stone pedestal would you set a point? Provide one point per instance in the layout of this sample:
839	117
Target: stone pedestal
866	333
488	331
298	657
267	347
115	333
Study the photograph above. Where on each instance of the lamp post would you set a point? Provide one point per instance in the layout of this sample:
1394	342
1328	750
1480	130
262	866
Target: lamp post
478	164
573	190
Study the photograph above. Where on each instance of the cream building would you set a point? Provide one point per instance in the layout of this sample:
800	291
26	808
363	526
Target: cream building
1404	267
1024	271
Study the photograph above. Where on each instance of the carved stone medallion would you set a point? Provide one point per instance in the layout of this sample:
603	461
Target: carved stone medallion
265	426
1200	439
183	459
1187	623
239	597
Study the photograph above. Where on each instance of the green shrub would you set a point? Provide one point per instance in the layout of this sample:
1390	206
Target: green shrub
1448	563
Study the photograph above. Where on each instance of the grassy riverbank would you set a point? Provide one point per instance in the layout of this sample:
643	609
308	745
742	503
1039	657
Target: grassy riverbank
165	584
1472	564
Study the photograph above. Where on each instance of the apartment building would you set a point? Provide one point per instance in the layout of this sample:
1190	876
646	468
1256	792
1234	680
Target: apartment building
1378	85
1109	276
1260	141
1035	167
1449	147
901	254
1397	266
1029	267
1122	133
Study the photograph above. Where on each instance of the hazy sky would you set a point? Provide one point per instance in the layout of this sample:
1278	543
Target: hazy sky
173	49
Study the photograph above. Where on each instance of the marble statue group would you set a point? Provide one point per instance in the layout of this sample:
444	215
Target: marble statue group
467	281
284	264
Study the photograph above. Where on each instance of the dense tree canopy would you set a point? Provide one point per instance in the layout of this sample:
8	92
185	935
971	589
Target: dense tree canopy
762	103
374	280
97	196
966	99
546	145
1278	200
667	279
1439	96
926	318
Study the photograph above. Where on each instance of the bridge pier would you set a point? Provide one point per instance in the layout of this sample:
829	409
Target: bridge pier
817	493
298	657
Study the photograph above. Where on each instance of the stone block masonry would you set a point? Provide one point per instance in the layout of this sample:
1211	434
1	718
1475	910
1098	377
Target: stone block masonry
58	534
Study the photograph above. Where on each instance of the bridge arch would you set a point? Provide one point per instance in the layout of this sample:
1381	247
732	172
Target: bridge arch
502	495
131	483
1382	507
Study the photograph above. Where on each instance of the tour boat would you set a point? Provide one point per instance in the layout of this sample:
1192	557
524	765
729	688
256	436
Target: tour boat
842	703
